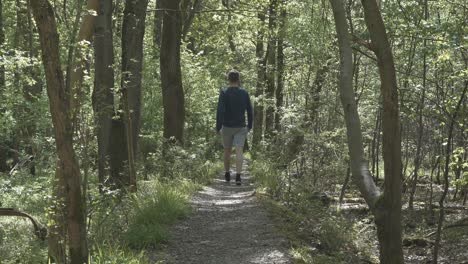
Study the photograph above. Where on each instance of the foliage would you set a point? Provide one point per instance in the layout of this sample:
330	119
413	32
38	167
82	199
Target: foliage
156	207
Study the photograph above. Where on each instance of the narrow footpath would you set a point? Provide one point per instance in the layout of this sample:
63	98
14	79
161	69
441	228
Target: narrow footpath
228	226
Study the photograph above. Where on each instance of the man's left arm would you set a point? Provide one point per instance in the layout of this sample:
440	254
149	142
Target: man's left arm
249	113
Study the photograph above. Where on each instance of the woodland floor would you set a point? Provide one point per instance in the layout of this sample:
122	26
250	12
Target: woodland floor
228	225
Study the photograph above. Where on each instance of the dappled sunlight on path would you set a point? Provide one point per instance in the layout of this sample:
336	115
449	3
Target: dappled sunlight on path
228	226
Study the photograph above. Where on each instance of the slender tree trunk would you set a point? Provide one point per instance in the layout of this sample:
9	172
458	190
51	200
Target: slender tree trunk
68	168
157	24
3	153
388	213
2	42
316	89
417	159
358	164
171	75
126	129
448	152
230	30
80	62
259	90
191	8
103	95
271	70
280	65
31	89
376	135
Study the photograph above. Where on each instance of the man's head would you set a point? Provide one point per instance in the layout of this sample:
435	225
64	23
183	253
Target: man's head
233	77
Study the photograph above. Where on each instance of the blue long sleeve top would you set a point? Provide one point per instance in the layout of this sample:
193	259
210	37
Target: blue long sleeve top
233	103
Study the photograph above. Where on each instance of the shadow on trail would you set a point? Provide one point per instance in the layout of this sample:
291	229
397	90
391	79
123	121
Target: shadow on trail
227	226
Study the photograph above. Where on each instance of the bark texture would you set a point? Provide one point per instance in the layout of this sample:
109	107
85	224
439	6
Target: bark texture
388	214
59	107
171	76
271	70
280	65
358	164
85	35
103	95
259	90
133	30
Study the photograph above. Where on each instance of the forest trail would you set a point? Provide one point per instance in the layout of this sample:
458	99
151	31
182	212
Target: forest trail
228	225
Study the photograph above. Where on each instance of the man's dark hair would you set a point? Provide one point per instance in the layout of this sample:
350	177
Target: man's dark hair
233	76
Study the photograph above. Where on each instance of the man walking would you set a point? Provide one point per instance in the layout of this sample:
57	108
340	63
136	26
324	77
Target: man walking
233	102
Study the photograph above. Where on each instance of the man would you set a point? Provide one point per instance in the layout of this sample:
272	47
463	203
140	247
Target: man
233	102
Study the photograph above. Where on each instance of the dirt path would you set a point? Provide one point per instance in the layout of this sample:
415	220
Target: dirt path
228	226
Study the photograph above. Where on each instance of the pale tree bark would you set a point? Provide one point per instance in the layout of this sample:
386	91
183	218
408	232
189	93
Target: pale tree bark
170	69
68	168
259	90
359	166
103	95
388	214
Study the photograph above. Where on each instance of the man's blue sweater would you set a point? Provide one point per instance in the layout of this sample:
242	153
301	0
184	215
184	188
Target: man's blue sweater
233	102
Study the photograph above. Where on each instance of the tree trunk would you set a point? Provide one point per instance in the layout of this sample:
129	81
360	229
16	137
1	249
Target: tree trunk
448	152
80	62
2	42
191	8
171	75
417	159
358	164
280	65
103	95
388	214
68	168
259	90
313	106
125	129
157	23
271	70
31	89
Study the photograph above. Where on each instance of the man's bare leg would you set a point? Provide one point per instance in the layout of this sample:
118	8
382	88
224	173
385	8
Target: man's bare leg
239	159
227	159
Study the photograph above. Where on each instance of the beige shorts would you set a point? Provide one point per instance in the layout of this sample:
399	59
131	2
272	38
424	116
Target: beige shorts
233	136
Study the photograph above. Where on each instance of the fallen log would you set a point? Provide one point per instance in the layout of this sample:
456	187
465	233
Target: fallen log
39	230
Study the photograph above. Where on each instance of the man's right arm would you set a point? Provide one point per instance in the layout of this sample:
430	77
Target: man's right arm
249	113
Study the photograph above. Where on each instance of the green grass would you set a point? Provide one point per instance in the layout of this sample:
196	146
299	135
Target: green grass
159	204
116	255
157	207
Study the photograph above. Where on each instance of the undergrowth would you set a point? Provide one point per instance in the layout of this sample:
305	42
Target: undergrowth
121	226
317	235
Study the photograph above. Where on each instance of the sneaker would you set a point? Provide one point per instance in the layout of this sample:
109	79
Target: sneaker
238	179
227	176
